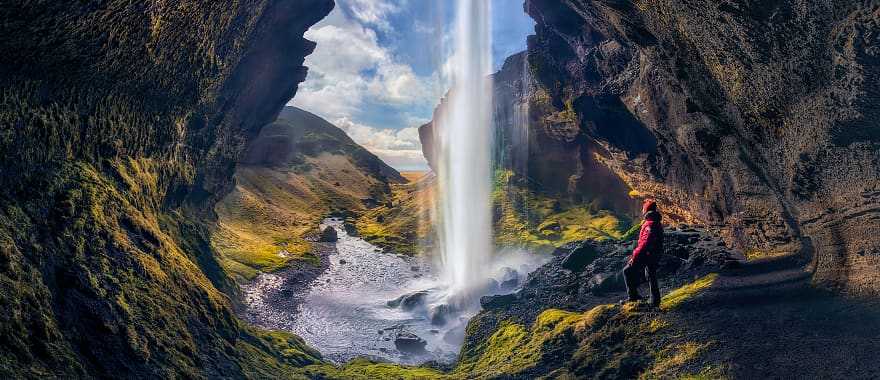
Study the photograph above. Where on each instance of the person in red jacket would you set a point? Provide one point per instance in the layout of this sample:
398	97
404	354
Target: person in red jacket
646	256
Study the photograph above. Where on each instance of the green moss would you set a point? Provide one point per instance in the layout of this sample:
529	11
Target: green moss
525	217
364	369
513	349
684	293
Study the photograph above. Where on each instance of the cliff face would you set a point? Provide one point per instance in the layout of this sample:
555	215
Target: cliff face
540	144
119	130
759	118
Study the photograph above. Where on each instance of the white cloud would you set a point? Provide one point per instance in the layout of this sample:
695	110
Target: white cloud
398	148
350	71
372	12
349	67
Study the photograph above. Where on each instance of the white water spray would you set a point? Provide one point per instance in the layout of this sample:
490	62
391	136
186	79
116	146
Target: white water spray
466	152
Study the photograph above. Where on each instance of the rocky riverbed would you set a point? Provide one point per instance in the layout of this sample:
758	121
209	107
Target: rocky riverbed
363	302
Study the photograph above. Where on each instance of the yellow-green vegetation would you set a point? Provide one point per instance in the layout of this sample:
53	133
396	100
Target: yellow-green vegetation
263	222
405	227
362	369
682	294
513	348
121	267
526	217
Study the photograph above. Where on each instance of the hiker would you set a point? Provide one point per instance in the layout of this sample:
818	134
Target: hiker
646	256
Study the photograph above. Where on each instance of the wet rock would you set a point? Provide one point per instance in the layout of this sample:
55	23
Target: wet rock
343	262
409	301
439	314
409	343
509	279
414	268
350	229
497	302
328	235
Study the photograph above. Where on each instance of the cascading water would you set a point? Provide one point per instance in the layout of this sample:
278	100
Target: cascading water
465	154
372	303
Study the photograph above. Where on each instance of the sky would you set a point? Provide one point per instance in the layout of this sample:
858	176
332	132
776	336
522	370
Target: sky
378	70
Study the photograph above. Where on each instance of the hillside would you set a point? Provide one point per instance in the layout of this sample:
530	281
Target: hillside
299	170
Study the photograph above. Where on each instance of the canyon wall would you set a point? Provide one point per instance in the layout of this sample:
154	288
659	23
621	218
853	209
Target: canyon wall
542	145
758	118
120	126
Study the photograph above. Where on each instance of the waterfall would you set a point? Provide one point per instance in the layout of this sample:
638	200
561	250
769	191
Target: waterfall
465	133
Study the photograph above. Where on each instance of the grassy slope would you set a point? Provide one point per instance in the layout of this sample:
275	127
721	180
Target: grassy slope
406	226
275	205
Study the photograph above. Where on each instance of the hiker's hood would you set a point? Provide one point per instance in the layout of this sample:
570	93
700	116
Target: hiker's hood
653	216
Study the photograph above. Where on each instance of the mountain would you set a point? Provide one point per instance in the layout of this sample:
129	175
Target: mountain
298	170
120	127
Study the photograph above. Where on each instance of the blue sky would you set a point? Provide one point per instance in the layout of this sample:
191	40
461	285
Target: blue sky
378	70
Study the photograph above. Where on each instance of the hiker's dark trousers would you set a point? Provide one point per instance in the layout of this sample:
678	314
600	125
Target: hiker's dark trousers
633	276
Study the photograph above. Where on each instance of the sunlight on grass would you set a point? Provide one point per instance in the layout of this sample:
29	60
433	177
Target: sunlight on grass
682	294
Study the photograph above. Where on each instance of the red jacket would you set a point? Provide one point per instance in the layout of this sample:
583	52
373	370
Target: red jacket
650	245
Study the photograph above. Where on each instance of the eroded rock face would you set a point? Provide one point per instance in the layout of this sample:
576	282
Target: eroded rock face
539	143
759	118
121	124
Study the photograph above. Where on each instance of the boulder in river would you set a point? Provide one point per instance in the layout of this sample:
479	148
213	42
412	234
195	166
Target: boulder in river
328	235
350	229
409	301
409	343
440	314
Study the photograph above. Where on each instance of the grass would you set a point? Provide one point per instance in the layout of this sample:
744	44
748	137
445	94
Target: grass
405	227
264	222
684	293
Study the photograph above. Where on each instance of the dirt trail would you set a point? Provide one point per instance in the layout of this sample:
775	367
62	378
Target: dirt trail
767	321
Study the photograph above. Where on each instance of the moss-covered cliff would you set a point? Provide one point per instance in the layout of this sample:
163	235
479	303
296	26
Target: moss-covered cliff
120	126
756	117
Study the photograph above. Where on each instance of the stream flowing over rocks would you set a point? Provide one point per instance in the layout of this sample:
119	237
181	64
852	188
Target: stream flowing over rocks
363	302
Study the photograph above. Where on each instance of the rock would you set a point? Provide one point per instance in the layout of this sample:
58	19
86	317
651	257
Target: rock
409	301
731	264
328	235
439	314
497	302
578	259
409	343
343	262
380	219
414	268
369	202
509	279
551	227
350	229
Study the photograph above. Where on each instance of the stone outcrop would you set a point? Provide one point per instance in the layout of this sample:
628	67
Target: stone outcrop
120	126
758	118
